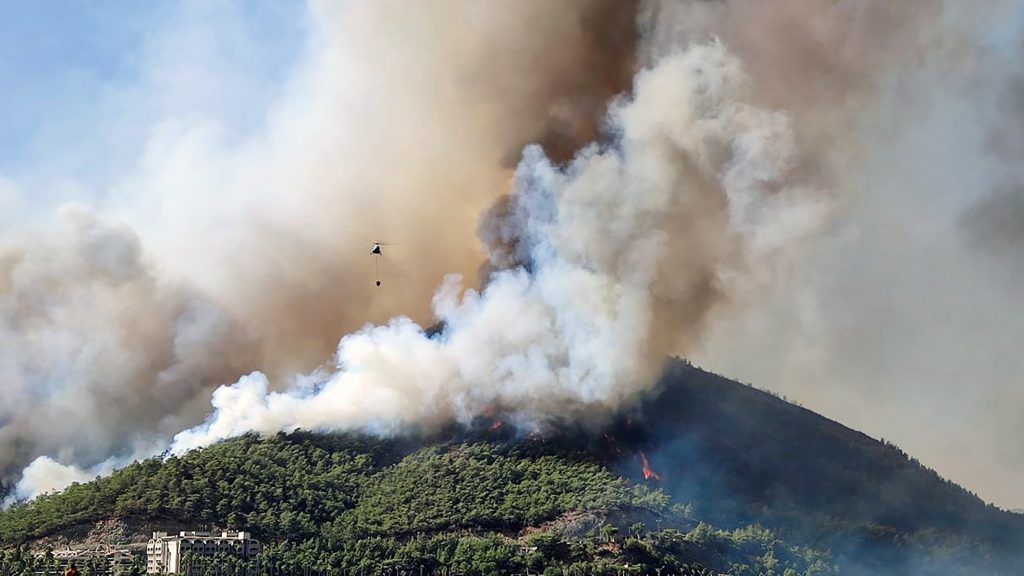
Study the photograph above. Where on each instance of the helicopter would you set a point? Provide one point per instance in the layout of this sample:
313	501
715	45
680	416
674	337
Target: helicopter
376	253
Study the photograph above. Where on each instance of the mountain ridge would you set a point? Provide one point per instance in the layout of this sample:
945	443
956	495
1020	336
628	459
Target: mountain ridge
735	436
718	453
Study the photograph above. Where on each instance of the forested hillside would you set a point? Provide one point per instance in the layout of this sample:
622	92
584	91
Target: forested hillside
746	456
740	482
480	507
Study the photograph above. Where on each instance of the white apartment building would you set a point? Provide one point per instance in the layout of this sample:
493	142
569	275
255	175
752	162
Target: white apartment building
165	552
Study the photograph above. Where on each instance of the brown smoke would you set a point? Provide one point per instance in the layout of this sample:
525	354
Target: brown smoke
97	352
894	319
759	122
821	61
401	124
601	268
458	89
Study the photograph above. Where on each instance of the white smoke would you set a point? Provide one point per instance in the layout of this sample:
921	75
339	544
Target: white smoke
45	475
400	119
907	312
696	189
210	249
82	314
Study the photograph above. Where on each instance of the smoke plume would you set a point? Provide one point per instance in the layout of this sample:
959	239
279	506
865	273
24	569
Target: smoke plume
84	317
603	266
207	256
761	186
902	319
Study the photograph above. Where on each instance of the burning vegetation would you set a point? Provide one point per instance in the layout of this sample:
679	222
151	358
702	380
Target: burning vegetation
648	472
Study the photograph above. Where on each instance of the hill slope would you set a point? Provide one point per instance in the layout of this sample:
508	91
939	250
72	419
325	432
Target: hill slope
350	503
490	501
747	456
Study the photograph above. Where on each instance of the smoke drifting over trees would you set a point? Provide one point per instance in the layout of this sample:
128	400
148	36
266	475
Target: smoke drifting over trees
637	178
619	258
210	259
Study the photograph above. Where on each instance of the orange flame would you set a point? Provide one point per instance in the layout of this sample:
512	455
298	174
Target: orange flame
649	474
497	425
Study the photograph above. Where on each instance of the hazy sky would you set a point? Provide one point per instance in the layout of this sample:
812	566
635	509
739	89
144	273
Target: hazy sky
86	82
904	319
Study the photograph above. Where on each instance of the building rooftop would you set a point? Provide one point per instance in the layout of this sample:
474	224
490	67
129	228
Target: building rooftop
223	535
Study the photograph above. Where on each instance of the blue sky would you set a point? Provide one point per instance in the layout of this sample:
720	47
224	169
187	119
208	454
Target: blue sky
53	53
84	82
